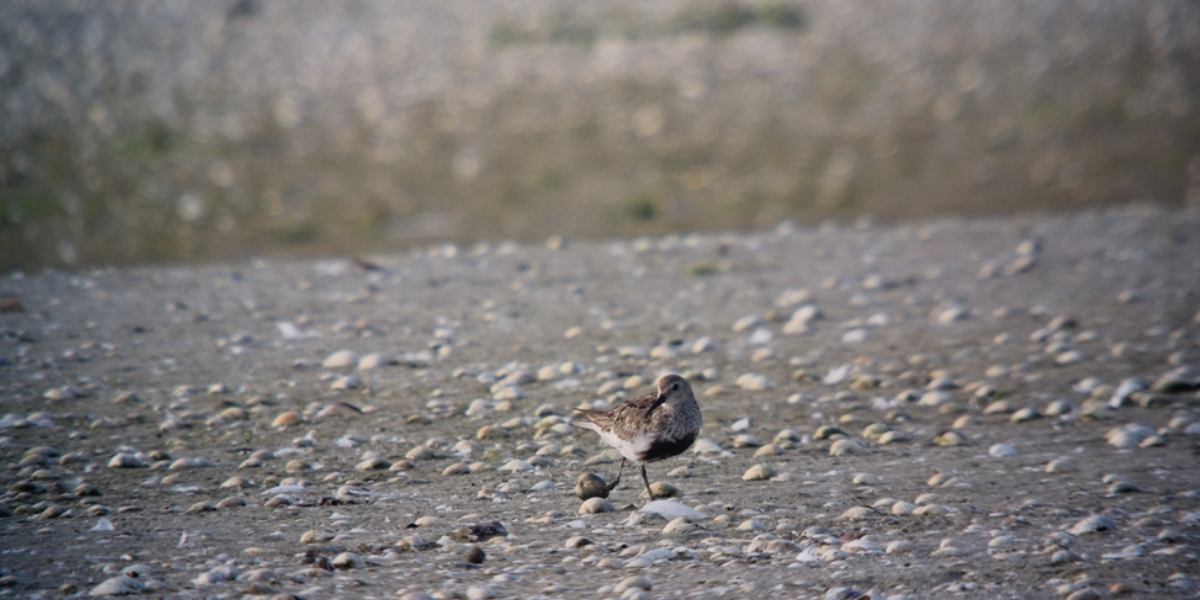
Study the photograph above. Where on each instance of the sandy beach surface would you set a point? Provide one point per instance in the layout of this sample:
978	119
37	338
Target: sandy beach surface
987	408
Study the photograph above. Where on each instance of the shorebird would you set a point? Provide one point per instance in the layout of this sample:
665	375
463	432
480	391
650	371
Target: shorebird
649	428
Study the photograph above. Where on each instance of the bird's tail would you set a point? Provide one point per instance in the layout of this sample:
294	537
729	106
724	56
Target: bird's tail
586	423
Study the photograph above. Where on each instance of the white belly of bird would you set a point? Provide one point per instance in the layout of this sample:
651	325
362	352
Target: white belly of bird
630	449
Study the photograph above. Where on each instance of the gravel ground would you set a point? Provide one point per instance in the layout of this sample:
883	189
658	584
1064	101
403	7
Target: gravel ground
995	408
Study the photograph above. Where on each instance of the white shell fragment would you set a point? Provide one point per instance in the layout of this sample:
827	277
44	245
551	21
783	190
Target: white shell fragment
1093	524
672	510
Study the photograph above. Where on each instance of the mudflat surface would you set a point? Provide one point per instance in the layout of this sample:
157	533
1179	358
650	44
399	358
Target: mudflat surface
181	425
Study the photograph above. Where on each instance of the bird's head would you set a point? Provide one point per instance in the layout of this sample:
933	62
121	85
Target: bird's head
670	388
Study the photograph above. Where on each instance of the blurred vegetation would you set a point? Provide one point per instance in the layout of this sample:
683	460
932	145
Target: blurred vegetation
308	128
721	18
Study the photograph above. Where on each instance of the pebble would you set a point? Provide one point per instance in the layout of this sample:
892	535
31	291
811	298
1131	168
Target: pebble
516	466
847	447
671	510
127	461
1002	451
593	506
678	526
348	560
340	359
1093	524
1061	465
287	419
758	472
1130	435
754	382
122	585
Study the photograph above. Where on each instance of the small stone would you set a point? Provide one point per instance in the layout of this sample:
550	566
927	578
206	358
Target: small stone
457	468
476	555
758	472
373	464
200	507
370	361
595	506
340	359
348	560
679	526
641	583
231	502
1093	524
122	585
847	447
287	419
753	382
516	466
127	461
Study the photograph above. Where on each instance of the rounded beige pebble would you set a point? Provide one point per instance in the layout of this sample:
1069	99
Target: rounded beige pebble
189	463
236	483
426	521
287	419
1061	465
516	466
122	585
373	464
951	437
1025	414
126	461
421	452
746	440
340	359
898	547
200	507
933	510
295	466
348	560
856	513
456	469
661	489
751	525
1084	594
1058	408
847	447
948	552
679	526
867	479
635	582
578	541
312	536
231	502
593	506
758	473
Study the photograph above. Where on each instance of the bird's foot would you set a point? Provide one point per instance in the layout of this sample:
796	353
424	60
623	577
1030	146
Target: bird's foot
612	485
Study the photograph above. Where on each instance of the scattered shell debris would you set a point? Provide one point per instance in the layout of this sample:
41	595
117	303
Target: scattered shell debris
292	428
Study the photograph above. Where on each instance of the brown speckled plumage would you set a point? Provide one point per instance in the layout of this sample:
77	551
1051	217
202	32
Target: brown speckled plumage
650	428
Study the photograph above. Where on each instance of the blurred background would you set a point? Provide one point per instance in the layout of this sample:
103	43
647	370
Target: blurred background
135	131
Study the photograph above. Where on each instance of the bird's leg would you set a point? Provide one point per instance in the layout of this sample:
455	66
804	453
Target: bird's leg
612	485
646	480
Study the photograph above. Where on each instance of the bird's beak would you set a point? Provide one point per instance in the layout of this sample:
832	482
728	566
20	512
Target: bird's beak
657	403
